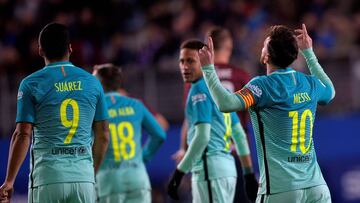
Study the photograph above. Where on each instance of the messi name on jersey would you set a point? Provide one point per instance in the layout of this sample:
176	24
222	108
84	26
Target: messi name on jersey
68	86
301	97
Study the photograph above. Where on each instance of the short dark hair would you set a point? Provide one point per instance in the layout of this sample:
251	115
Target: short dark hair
219	35
282	47
192	44
54	40
110	76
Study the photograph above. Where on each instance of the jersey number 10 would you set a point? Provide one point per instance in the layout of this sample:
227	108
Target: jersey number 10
296	130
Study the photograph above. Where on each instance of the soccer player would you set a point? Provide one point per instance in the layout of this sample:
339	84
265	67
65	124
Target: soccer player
209	137
57	108
122	176
282	106
158	116
230	76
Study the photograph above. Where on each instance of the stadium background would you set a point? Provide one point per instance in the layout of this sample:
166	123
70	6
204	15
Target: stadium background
143	37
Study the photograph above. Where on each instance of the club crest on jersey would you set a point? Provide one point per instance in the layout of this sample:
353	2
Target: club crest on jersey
20	95
198	98
255	89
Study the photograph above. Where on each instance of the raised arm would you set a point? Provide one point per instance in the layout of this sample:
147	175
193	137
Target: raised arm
225	101
305	44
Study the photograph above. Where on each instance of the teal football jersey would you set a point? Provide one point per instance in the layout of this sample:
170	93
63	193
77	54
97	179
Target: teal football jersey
283	118
123	169
200	108
61	101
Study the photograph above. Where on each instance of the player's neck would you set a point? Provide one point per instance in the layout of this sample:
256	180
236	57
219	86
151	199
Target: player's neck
48	61
123	92
271	68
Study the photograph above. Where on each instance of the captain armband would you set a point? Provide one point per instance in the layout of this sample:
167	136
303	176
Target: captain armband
247	97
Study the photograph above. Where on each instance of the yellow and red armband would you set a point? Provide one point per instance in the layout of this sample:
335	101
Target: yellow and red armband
247	97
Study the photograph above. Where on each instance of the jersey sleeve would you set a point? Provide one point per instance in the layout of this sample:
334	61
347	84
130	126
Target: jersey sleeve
323	92
25	104
201	105
101	112
234	119
253	93
156	133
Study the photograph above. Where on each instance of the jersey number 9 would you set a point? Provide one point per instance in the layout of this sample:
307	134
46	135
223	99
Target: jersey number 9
74	122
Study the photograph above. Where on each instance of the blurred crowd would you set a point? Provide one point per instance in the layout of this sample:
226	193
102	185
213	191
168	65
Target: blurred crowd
145	35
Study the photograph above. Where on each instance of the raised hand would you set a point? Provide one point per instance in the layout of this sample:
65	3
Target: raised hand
303	39
206	54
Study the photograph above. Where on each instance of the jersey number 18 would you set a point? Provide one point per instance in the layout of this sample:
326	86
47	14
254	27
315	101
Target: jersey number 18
120	149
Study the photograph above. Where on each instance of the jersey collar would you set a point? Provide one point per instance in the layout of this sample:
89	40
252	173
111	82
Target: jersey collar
198	80
283	71
59	64
113	93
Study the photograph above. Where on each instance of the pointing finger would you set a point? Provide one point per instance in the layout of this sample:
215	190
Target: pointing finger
210	44
304	29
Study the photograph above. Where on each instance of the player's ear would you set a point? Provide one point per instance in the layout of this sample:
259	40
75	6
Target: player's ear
70	49
41	52
266	59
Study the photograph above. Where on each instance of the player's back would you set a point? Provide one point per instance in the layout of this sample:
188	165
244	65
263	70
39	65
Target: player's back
64	99
123	169
283	119
125	125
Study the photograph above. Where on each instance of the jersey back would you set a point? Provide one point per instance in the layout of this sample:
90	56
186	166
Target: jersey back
123	169
61	101
283	119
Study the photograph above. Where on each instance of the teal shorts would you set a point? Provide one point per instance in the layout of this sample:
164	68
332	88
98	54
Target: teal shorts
222	189
318	194
83	192
137	196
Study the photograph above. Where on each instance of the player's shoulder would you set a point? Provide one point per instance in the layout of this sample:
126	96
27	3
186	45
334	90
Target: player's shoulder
259	80
310	78
81	71
199	86
132	101
34	77
258	85
199	92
